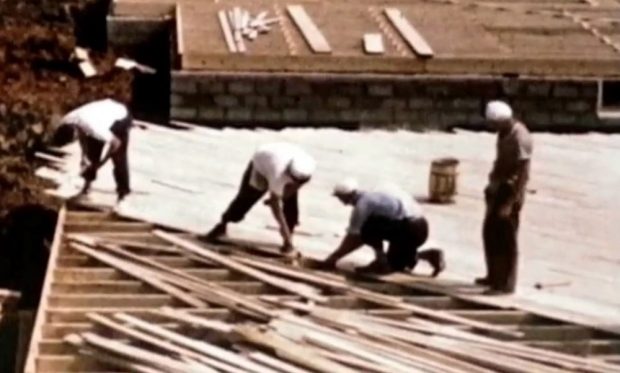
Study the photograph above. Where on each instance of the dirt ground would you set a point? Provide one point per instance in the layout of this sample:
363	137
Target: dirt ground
38	82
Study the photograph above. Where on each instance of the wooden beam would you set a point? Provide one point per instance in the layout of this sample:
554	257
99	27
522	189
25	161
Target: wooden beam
179	30
226	31
40	319
409	33
308	29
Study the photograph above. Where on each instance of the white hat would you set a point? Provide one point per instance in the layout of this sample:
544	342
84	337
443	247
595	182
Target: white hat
498	111
346	186
302	166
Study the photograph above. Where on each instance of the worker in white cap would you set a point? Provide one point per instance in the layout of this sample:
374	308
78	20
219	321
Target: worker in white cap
504	197
378	217
280	169
103	132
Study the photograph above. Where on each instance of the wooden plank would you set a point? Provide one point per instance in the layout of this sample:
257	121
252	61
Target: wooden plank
409	33
308	29
33	349
66	314
226	30
373	43
179	30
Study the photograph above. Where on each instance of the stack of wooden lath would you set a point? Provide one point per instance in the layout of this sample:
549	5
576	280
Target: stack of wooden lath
273	334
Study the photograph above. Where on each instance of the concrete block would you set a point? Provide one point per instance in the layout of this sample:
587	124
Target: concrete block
280	102
271	87
183	84
350	89
183	113
427	118
440	90
408	89
512	87
454	118
297	87
561	118
378	116
338	102
255	101
351	115
267	115
589	120
565	90
538	89
226	101
295	115
580	106
239	114
367	103
241	87
210	114
589	90
324	116
380	89
177	99
420	103
467	103
394	103
310	102
537	118
211	86
404	117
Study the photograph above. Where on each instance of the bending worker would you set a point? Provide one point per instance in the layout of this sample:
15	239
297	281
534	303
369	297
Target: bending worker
103	132
378	217
504	197
280	168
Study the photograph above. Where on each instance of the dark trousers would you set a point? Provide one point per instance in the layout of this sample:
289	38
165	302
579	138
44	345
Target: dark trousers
500	243
247	196
93	148
404	238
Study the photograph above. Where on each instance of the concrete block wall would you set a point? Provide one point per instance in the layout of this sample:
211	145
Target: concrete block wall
415	102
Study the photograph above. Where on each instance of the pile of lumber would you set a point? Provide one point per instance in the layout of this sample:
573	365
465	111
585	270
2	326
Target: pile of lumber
238	24
277	334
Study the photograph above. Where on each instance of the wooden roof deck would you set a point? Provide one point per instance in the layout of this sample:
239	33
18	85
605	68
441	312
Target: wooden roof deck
185	179
572	38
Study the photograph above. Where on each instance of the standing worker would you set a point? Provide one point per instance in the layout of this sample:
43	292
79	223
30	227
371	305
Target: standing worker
378	217
504	197
280	168
103	128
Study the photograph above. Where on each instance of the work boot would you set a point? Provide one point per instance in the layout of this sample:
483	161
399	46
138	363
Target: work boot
435	258
482	281
214	234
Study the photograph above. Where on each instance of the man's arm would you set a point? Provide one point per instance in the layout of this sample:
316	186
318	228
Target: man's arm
110	148
276	209
522	172
350	243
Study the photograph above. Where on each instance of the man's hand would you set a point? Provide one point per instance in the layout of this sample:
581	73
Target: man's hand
505	211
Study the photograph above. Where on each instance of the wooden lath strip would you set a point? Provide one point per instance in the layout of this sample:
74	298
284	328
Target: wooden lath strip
415	40
33	349
314	37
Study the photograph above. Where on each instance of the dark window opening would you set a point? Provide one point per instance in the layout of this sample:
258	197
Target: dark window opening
610	95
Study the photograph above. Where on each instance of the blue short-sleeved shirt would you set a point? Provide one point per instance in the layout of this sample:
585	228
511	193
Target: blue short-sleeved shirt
377	204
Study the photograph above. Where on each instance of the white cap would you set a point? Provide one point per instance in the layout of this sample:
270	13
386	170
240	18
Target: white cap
498	111
346	186
302	166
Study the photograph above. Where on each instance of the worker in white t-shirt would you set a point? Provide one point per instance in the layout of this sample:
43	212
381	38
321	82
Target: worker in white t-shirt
103	133
380	216
280	169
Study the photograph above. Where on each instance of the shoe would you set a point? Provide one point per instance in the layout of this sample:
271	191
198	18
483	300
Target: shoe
214	234
437	261
483	281
494	291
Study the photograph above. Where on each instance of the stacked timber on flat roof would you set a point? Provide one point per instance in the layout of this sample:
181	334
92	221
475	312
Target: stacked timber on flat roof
575	38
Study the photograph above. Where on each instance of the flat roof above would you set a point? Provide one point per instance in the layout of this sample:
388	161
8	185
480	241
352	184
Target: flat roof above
500	37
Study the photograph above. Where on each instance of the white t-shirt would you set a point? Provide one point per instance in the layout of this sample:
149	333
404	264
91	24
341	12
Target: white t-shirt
269	165
95	119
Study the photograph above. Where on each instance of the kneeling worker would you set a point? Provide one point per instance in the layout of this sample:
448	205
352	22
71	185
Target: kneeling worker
379	217
280	168
103	129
